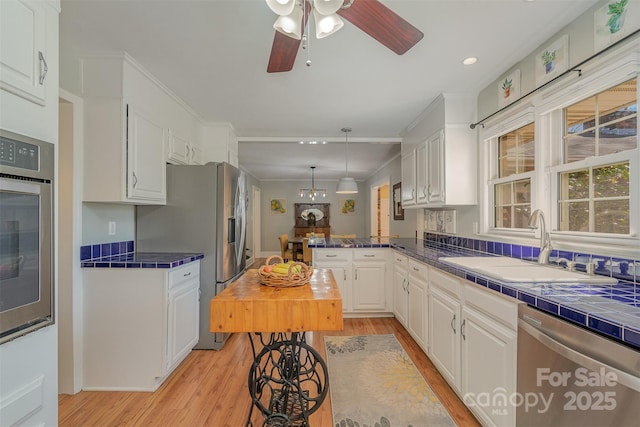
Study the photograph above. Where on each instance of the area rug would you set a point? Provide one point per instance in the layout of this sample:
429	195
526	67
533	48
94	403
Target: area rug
374	383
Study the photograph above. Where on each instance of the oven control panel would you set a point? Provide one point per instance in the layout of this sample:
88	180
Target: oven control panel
18	154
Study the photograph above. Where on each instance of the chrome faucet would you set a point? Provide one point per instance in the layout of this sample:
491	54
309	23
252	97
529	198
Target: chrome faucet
545	241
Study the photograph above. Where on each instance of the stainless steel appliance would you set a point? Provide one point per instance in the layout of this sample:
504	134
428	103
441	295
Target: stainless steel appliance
569	376
205	212
26	261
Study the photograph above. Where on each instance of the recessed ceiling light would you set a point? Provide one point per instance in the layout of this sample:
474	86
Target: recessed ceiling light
470	60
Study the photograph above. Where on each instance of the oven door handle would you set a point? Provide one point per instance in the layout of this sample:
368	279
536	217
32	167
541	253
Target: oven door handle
624	378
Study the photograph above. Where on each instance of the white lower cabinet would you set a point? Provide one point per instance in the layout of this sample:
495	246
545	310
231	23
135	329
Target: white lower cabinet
473	343
400	295
488	368
362	276
418	302
339	262
139	324
444	336
369	280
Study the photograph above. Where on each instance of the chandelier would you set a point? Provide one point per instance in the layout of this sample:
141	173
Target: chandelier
291	14
313	191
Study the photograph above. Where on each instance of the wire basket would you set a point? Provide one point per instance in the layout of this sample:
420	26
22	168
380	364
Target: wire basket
281	280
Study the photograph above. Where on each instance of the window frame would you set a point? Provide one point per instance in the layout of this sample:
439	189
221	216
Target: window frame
490	134
546	106
607	73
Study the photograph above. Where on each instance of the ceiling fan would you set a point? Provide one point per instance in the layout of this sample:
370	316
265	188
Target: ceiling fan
371	16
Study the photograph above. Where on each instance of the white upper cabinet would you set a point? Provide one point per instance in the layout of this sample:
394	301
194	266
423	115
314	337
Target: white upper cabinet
408	177
23	63
219	143
182	151
133	126
29	67
444	152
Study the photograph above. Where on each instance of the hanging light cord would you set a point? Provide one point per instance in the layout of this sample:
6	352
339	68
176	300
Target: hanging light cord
346	149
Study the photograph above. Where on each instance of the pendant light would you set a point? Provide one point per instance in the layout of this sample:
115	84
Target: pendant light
346	185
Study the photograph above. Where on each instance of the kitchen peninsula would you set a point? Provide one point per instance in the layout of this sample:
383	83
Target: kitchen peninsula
288	379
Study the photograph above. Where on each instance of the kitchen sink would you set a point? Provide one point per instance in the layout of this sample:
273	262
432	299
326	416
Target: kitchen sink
514	270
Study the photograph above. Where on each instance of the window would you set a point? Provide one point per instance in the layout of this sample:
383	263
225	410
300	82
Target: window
600	133
512	186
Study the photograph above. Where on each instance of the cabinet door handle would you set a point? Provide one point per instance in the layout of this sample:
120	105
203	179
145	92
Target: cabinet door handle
193	153
135	180
344	274
452	323
43	68
429	191
464	321
416	269
356	274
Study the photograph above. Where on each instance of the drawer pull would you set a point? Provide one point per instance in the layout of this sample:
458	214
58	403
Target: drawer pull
331	256
416	269
369	256
187	274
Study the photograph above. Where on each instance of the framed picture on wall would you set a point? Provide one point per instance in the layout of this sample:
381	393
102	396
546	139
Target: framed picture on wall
347	206
613	21
509	88
278	206
552	61
398	212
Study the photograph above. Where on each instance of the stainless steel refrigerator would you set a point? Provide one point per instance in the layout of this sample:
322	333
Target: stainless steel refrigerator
205	212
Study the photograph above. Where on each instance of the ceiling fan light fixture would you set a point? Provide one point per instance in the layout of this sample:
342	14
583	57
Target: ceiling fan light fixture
326	24
347	185
281	7
327	7
291	24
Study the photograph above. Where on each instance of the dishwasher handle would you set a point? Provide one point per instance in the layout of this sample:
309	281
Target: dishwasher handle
624	378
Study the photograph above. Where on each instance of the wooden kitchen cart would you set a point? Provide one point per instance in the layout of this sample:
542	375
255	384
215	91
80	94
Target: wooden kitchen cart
288	379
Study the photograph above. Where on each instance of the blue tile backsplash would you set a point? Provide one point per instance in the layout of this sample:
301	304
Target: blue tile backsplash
123	255
612	310
626	270
100	250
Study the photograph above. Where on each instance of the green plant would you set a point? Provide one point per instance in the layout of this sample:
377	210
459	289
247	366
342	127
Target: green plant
548	56
616	8
506	84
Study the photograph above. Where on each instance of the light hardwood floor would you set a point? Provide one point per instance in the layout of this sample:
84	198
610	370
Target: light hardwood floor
209	388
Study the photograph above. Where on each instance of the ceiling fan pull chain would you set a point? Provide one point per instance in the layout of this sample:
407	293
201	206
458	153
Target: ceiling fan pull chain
306	41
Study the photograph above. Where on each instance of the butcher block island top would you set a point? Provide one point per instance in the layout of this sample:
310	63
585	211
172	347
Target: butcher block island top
248	306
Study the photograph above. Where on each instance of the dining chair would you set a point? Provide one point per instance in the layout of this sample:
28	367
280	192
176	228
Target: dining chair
307	252
315	234
286	253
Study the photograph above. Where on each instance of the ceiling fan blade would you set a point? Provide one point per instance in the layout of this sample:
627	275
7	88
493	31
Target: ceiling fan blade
382	24
285	48
283	53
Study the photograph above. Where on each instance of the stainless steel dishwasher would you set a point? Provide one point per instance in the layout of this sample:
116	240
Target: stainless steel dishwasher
569	376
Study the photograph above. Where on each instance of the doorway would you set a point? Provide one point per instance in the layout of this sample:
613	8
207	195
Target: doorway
380	205
256	223
69	187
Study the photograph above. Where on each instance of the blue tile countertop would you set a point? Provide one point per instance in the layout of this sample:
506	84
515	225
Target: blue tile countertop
610	310
122	255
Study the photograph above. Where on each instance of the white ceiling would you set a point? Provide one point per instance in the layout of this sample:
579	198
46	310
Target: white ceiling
213	54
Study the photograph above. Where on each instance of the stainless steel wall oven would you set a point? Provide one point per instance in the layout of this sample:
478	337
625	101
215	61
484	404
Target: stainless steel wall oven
26	235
